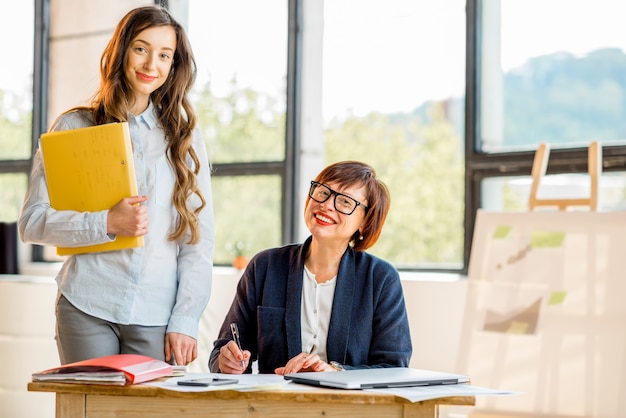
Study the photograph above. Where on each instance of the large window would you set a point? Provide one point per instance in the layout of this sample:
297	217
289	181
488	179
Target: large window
240	98
447	99
16	104
556	76
393	96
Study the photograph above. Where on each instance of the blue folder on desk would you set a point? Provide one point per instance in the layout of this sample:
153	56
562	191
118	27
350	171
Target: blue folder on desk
390	377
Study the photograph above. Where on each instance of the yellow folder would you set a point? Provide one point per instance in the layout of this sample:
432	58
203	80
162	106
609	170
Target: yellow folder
88	170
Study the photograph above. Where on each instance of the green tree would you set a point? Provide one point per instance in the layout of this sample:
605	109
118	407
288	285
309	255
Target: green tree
243	126
15	134
15	127
422	165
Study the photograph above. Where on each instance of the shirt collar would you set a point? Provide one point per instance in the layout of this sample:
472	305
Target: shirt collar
149	116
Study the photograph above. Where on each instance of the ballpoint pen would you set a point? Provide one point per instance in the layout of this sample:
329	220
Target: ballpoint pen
207	381
235	331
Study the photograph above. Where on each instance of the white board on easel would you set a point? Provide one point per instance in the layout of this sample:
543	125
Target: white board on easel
546	313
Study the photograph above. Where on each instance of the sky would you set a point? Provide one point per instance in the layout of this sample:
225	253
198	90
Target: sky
386	55
539	27
358	49
393	55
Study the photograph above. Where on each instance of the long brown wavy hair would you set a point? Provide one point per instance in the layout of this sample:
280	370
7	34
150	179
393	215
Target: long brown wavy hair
175	114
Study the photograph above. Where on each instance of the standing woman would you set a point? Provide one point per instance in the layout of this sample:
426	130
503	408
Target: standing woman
326	304
145	300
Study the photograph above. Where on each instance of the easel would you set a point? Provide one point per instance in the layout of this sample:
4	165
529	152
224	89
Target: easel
540	165
567	359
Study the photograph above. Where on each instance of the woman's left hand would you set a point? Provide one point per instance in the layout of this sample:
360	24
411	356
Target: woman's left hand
304	362
183	347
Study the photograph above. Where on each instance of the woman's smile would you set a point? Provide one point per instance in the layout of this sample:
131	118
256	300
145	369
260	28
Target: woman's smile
146	77
322	219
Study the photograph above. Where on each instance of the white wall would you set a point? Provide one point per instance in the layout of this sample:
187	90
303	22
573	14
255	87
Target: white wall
26	344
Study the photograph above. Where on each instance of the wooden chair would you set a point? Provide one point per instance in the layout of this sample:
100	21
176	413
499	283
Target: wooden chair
540	165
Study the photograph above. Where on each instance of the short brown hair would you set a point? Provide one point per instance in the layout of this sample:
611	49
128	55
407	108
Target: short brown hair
355	173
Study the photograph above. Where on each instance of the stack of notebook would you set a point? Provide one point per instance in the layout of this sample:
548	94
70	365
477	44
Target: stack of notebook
119	369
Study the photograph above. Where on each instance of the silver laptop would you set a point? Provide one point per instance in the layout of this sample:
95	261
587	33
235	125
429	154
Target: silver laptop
392	377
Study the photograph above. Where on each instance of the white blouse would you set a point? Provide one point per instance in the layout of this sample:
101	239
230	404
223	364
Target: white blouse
317	305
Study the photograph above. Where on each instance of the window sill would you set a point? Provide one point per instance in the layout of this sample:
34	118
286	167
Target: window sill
40	269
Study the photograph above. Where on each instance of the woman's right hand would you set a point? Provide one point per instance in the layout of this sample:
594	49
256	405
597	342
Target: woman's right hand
232	360
128	218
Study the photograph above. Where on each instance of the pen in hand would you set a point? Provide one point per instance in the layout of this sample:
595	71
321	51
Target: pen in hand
235	332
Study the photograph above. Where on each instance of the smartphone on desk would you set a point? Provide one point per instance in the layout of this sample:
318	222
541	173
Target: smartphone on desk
207	381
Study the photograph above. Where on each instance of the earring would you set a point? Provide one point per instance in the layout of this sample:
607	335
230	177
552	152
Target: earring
361	238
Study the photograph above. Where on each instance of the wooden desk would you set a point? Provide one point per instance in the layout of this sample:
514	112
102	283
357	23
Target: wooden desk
92	401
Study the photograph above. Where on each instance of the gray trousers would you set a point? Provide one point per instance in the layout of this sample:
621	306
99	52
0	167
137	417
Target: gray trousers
80	336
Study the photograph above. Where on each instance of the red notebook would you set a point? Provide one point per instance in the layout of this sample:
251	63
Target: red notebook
118	369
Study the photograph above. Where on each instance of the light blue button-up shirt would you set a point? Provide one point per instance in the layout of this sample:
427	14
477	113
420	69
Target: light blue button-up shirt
161	283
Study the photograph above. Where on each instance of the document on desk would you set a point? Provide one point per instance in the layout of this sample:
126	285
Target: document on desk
245	382
423	393
117	369
252	382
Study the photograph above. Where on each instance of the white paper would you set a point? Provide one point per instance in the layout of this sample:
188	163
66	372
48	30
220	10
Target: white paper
251	382
247	382
422	393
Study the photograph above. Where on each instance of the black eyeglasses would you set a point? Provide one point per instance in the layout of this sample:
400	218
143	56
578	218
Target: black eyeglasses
343	203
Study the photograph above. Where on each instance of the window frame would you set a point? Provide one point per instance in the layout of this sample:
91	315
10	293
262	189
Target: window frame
40	89
481	165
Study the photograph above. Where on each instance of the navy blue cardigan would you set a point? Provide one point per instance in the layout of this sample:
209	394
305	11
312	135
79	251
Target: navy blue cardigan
368	324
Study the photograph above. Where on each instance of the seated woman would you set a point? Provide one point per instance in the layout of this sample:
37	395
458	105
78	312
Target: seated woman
325	304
